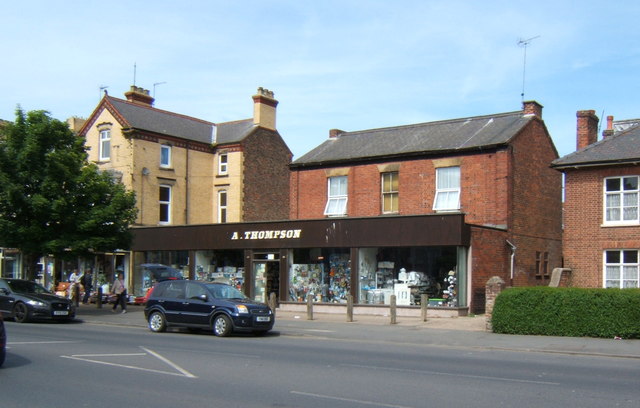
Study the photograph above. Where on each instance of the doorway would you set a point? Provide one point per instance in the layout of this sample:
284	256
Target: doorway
266	279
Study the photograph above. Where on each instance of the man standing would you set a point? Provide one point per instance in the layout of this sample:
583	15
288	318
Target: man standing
74	281
87	282
120	291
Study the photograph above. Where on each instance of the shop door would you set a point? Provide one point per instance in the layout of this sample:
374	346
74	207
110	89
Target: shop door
265	280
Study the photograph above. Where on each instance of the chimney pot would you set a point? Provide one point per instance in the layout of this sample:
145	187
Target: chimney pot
139	96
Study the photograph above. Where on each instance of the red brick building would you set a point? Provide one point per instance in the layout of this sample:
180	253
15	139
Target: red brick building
601	217
492	170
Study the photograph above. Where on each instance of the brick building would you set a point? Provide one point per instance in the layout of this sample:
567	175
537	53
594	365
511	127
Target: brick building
601	218
491	170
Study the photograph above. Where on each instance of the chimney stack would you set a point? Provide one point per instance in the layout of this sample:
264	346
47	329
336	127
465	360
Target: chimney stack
333	133
264	109
139	95
609	130
587	129
532	108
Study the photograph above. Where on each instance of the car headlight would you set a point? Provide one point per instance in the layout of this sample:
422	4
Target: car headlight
36	303
243	309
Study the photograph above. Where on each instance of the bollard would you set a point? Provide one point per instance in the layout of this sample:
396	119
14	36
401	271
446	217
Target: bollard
273	303
392	309
349	308
99	298
424	303
309	306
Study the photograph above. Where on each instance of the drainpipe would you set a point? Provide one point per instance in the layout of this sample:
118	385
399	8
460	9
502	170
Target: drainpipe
513	259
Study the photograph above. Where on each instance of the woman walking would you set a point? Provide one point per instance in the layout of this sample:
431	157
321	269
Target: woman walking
120	291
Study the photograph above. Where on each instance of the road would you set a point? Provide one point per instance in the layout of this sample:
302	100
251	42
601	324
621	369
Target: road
93	365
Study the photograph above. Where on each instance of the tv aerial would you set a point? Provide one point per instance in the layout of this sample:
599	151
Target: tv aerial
524	44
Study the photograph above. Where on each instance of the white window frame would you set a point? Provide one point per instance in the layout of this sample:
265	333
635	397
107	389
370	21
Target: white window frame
624	272
165	148
105	145
391	193
337	196
447	197
622	203
164	204
223	164
223	207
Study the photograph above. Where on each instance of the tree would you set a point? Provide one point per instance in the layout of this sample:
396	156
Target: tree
52	200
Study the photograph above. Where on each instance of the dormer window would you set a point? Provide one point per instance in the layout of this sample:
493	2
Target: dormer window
165	156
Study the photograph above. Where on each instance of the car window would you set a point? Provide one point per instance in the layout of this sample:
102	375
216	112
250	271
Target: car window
195	290
225	292
173	289
20	286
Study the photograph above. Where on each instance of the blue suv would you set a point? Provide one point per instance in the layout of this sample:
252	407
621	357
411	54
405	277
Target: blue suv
205	305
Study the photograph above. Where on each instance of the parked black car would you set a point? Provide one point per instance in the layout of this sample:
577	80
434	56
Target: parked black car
3	341
24	300
205	305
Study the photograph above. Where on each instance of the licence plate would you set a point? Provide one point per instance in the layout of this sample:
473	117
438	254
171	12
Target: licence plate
263	319
60	313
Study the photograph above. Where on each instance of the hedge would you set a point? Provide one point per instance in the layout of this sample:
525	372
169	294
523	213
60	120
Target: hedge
575	312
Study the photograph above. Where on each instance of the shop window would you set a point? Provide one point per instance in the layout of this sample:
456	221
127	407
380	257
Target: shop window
223	165
621	269
337	196
225	266
390	192
164	203
165	156
323	274
222	206
105	145
621	200
447	189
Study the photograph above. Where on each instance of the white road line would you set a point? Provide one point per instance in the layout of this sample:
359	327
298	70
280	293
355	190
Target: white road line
172	364
331	397
109	355
15	343
122	365
482	377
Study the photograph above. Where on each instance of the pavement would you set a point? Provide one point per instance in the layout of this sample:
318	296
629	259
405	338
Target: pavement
468	332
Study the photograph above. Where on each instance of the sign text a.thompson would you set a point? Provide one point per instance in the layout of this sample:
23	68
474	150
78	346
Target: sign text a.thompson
267	234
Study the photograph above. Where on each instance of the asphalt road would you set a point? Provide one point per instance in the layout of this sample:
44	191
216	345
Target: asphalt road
94	364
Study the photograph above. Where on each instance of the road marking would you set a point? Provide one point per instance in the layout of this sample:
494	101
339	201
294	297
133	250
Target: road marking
181	372
482	377
363	402
40	342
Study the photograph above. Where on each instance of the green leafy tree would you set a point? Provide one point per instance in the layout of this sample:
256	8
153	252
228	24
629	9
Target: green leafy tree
52	200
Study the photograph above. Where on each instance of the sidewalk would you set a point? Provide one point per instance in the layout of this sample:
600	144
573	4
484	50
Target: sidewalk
456	332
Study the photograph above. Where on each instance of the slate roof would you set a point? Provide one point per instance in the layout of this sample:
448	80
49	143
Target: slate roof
456	135
621	147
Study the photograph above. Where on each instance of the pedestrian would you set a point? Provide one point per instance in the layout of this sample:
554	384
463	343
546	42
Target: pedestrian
87	282
120	291
74	282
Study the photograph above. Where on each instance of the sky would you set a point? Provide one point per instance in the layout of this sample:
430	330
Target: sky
344	64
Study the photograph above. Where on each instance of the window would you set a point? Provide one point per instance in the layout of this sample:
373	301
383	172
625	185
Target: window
105	145
447	189
165	204
165	156
390	192
222	206
223	164
337	201
542	264
621	200
621	269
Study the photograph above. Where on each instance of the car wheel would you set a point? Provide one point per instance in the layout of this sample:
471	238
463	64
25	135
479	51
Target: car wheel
21	313
157	322
222	326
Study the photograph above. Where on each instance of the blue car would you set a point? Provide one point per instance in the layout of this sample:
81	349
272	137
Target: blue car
218	307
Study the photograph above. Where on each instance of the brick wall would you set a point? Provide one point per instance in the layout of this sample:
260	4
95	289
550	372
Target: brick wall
585	238
266	177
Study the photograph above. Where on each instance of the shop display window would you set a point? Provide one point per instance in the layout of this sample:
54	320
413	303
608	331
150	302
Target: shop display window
323	274
409	273
221	266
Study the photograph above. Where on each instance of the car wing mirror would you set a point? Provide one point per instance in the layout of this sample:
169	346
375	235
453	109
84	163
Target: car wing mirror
204	298
4	291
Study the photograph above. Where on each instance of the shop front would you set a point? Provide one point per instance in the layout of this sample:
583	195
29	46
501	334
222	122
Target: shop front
325	260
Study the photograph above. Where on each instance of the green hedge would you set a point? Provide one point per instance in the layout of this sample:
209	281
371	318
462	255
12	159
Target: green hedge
572	312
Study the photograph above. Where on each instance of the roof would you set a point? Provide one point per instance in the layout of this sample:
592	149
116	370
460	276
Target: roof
147	118
455	135
232	132
621	147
